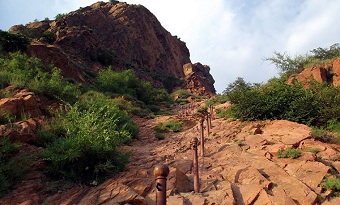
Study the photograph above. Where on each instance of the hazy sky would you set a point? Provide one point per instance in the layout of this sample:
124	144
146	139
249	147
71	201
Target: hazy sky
231	36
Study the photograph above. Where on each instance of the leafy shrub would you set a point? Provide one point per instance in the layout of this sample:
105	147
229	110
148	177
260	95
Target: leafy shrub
46	19
286	64
127	83
202	110
12	42
171	125
114	1
327	53
331	183
123	107
86	142
12	169
222	113
6	117
49	36
289	153
278	100
218	99
324	135
312	150
182	94
103	56
160	136
31	73
59	16
236	87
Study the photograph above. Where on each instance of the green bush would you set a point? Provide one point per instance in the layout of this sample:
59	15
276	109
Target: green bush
31	73
5	117
289	153
222	113
127	83
218	99
59	16
12	42
83	146
12	168
278	100
171	125
160	136
331	183
182	94
324	135
286	64
202	111
123	107
312	150
49	36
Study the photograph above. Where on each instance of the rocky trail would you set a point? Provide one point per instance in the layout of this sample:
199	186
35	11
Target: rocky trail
240	166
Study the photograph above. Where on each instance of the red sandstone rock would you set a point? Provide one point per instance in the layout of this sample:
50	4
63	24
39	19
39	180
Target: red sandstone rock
121	35
286	132
228	174
329	72
198	80
311	173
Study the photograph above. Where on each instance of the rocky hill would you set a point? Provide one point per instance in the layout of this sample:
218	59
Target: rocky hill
119	35
325	73
240	165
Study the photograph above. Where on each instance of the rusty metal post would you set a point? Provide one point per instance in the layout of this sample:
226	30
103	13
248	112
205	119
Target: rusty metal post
212	111
161	173
195	165
202	136
210	116
208	124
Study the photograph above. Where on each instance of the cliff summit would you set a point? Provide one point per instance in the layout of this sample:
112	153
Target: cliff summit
119	35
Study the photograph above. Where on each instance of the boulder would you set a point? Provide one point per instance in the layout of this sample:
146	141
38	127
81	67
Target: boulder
286	132
311	173
112	192
22	103
179	181
198	80
23	131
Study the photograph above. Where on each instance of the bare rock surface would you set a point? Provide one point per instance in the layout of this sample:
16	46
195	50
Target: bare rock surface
239	167
120	35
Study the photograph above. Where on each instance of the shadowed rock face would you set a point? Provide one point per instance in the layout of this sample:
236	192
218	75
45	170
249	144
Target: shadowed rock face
198	80
119	35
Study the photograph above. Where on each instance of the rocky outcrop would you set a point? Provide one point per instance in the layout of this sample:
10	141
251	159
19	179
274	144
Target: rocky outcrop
119	35
329	73
198	80
240	166
22	103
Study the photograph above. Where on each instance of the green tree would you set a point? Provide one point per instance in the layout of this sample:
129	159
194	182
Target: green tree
12	42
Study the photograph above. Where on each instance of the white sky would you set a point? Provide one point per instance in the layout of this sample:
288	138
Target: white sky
231	36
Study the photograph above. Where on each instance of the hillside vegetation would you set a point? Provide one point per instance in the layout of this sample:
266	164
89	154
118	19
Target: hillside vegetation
80	137
317	106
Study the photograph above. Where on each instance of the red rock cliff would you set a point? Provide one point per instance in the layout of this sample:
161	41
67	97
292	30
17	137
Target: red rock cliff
119	35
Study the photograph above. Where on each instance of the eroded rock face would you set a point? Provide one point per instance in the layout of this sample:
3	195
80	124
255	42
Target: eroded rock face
329	73
198	80
23	102
119	35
